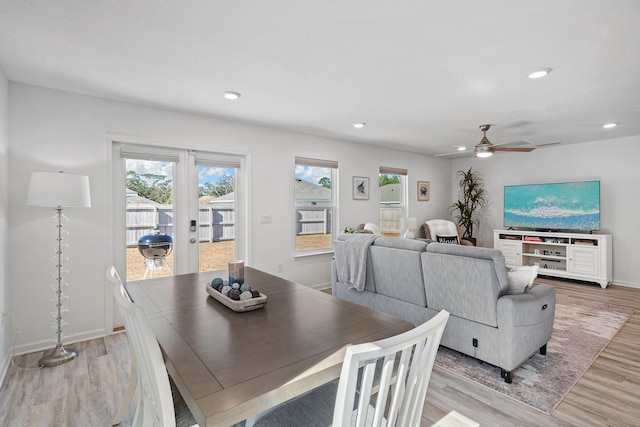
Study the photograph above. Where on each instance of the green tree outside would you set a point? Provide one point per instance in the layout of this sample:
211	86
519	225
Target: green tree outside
224	186
157	188
388	179
325	181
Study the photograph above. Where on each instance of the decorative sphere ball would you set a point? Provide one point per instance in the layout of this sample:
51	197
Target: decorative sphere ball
236	286
218	287
234	294
255	293
245	287
246	295
226	289
217	281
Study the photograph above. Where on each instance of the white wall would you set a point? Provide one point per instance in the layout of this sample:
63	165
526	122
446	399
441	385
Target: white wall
51	130
5	324
614	162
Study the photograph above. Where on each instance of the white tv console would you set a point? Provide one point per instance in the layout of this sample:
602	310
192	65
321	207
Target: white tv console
578	256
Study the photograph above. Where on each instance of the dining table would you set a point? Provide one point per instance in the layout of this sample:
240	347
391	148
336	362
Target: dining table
230	365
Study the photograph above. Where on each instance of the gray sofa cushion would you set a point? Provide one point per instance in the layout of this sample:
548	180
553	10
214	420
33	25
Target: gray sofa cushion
398	274
465	280
411	245
495	255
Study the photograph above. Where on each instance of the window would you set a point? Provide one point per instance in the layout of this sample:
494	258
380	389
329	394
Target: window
315	204
392	196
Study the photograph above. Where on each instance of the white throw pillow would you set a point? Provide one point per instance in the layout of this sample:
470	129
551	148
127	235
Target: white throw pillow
520	278
373	228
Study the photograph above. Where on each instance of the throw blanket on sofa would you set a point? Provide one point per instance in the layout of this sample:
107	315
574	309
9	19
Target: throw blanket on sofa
351	260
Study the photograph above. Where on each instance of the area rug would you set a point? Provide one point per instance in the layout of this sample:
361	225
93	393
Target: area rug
581	330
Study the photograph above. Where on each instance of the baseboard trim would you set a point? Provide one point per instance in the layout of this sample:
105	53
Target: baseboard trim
320	286
627	284
48	344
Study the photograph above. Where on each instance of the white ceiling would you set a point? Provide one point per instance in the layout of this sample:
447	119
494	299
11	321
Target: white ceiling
422	74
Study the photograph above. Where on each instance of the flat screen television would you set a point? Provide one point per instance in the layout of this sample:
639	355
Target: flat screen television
566	206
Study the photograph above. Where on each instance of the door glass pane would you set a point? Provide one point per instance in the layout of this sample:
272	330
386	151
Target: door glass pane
217	217
149	219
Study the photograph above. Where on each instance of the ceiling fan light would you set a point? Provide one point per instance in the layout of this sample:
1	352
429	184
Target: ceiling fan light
483	151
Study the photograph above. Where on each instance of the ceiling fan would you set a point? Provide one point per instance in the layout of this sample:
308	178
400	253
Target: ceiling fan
485	148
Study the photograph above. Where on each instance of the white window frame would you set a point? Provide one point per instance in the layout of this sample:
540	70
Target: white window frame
385	170
333	207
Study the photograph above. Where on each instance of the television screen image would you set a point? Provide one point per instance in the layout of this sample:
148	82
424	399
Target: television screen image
558	206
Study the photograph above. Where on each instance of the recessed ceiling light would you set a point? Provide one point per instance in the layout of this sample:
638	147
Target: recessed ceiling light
359	125
610	125
231	95
462	148
539	73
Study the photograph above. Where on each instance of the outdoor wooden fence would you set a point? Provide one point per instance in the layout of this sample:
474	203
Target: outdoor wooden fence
216	222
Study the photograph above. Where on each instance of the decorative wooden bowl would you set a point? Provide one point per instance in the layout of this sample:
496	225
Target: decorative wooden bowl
241	305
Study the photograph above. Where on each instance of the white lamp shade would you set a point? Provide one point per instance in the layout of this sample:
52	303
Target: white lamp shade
408	223
53	189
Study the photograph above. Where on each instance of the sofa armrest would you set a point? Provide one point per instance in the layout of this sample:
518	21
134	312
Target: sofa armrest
527	309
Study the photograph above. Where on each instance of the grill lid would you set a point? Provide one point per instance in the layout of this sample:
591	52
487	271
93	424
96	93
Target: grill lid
155	246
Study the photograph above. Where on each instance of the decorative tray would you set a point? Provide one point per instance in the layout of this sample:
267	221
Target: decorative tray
241	305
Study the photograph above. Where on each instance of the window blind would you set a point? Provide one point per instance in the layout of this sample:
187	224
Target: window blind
139	152
306	161
392	171
216	160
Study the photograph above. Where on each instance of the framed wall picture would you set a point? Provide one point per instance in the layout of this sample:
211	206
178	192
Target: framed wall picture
360	188
424	191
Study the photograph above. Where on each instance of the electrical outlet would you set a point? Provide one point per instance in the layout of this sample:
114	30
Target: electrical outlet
475	342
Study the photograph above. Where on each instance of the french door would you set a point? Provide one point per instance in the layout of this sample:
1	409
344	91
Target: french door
176	211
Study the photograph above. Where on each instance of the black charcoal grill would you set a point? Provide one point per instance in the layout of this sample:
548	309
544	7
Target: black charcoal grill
155	246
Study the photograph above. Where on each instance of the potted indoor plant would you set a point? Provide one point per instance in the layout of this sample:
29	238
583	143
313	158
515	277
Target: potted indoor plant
472	196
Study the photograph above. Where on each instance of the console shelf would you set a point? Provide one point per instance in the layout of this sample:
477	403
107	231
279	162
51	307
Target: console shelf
578	256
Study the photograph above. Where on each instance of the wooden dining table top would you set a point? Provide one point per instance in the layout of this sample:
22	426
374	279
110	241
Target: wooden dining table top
231	365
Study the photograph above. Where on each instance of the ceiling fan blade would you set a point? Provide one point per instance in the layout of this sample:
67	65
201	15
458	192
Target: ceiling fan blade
514	149
456	154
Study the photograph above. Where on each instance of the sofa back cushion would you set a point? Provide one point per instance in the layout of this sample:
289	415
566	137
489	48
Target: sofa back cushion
397	269
465	280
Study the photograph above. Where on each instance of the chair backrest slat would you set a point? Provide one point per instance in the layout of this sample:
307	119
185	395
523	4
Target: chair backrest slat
403	376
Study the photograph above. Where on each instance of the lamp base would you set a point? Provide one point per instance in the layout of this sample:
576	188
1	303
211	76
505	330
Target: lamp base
58	356
409	235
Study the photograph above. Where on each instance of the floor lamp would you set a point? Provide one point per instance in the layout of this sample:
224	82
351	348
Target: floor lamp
58	191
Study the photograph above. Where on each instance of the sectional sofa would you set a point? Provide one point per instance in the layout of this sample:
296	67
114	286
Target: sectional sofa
414	280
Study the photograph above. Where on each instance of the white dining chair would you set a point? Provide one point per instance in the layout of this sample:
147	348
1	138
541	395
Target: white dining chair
148	372
396	369
132	386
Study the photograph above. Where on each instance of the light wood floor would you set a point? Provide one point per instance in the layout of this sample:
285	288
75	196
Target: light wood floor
87	391
607	395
